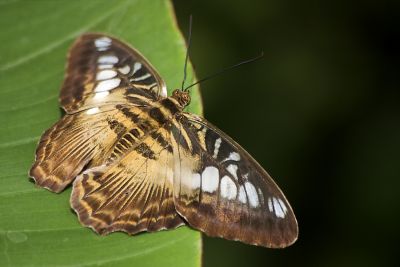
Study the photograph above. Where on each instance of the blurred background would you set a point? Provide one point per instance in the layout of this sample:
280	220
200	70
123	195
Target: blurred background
320	112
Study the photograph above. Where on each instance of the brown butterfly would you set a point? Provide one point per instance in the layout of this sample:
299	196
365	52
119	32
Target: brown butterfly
138	162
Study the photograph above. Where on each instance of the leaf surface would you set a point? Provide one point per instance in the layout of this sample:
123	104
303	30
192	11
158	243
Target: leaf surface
37	227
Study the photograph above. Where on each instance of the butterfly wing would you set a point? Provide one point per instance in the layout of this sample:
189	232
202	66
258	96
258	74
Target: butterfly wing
84	139
132	194
107	87
221	190
100	71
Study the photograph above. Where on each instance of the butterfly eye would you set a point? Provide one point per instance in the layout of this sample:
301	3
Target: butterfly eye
175	93
186	98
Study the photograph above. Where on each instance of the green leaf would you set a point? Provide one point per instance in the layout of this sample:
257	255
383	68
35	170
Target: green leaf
37	227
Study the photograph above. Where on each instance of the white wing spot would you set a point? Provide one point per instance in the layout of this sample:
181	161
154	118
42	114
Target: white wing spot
242	195
234	156
277	208
232	169
196	180
107	85
216	147
141	78
252	194
209	182
228	188
102	43
110	59
283	206
105	74
101	95
137	66
270	205
125	69
92	111
261	195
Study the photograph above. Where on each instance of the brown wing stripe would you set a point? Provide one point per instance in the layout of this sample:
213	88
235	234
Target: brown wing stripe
117	127
162	142
132	116
170	105
144	150
135	133
139	92
157	115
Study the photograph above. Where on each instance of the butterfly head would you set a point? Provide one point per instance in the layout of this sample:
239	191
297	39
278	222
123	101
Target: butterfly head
182	96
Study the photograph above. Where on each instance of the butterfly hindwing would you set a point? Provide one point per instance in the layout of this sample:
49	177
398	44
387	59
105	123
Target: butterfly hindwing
101	70
132	194
221	190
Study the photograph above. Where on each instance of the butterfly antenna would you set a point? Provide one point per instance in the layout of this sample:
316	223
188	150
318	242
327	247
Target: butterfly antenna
226	69
187	52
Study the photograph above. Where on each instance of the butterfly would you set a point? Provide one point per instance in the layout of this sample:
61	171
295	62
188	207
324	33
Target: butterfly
138	162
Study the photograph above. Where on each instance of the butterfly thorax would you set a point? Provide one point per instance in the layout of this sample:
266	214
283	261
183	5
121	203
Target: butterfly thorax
163	111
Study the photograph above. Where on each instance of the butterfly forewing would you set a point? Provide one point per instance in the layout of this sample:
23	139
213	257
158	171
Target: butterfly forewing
100	70
221	190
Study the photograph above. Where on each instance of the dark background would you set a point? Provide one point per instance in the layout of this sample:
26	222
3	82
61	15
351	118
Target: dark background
320	112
